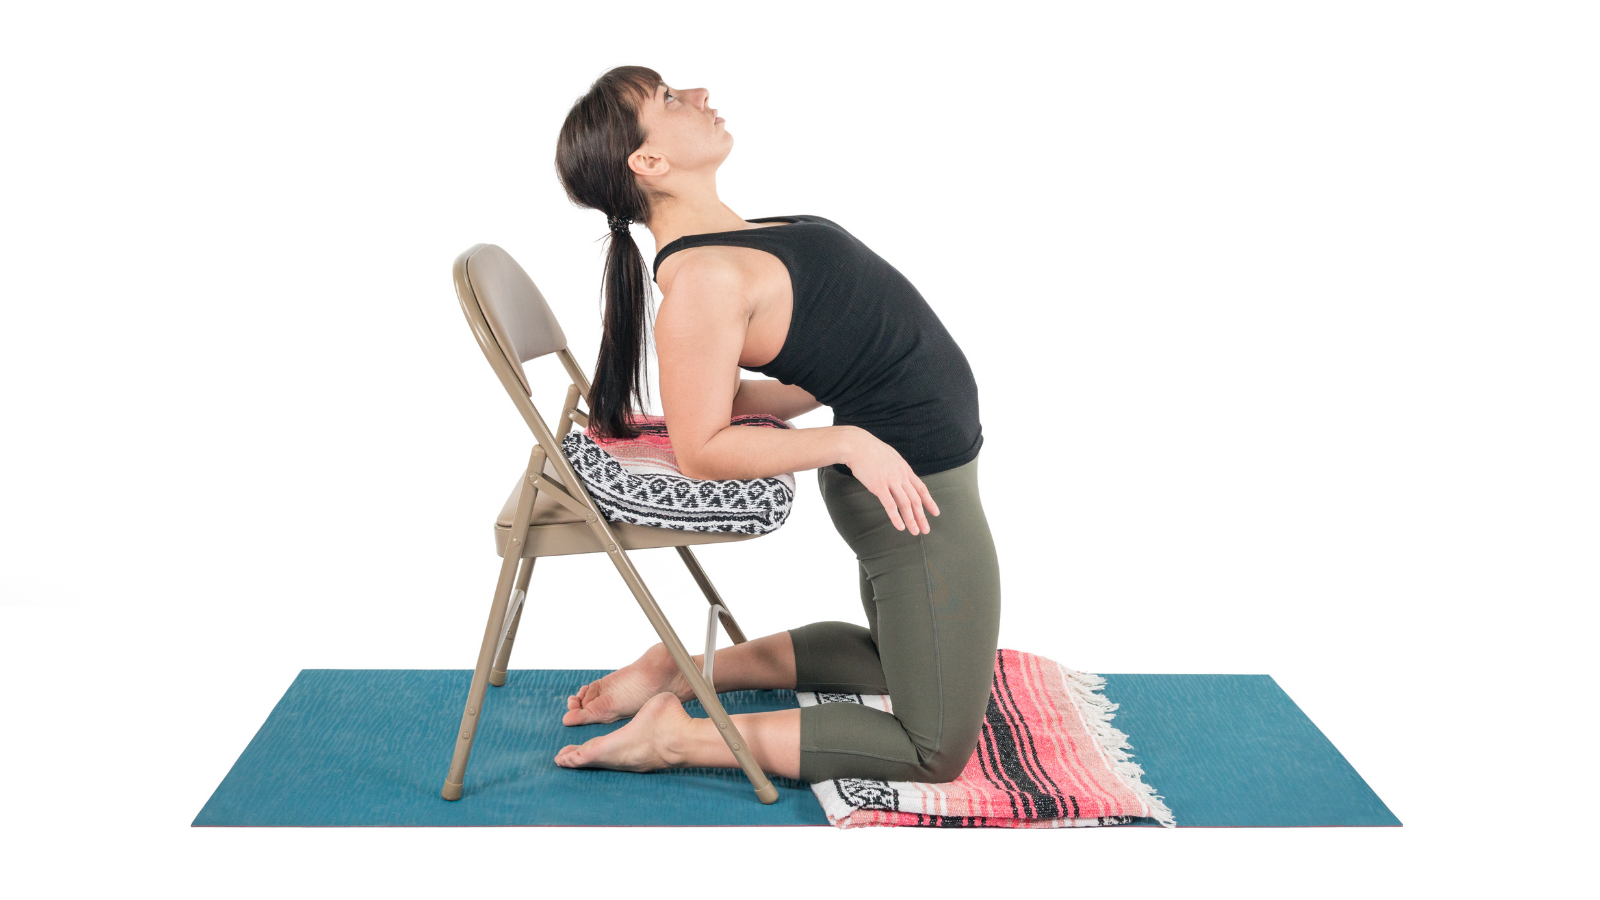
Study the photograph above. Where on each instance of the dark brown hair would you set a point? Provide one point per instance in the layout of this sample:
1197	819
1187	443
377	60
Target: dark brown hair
600	132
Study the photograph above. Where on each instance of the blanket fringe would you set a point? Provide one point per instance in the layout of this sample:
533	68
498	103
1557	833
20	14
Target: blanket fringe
1098	711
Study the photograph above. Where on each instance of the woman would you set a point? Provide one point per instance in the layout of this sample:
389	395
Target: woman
796	298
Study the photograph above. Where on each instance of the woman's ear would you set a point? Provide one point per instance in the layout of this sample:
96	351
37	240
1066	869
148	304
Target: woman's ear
648	164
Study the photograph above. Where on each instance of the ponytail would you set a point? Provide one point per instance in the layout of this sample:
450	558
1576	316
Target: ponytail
621	372
599	135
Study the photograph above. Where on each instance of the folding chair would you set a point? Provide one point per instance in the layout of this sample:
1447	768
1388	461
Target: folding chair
550	513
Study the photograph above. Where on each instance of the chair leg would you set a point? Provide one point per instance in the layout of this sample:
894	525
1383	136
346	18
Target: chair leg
480	684
735	633
491	634
703	691
502	660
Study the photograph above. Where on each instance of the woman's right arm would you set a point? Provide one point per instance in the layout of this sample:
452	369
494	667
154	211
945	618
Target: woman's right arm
699	335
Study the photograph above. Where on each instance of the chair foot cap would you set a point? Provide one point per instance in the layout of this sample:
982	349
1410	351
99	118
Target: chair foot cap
452	791
767	793
498	679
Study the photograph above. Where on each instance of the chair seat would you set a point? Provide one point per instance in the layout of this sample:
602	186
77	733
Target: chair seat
558	531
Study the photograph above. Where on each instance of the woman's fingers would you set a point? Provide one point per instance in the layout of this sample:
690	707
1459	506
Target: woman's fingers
922	515
927	497
914	498
888	501
908	504
908	510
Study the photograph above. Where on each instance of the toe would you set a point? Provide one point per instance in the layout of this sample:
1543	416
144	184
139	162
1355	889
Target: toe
597	711
587	707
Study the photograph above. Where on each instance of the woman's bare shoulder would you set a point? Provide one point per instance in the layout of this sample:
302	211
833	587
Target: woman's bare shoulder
714	275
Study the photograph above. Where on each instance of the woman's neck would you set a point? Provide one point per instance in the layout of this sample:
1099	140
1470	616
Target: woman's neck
692	212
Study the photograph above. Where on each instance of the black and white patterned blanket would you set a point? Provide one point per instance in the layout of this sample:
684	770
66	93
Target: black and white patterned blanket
746	506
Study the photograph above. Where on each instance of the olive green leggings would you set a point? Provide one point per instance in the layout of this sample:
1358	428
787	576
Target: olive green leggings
933	622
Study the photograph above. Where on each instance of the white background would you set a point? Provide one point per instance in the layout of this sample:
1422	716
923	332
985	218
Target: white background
1284	319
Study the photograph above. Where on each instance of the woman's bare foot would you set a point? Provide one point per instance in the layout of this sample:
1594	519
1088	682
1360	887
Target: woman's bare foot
643	745
624	692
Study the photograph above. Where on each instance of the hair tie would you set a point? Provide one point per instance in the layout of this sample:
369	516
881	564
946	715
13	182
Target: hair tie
619	224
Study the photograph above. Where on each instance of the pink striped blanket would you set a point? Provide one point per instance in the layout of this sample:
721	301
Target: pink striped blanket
1048	758
651	452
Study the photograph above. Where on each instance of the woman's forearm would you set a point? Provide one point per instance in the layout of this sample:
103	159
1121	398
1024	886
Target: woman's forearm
751	451
773	398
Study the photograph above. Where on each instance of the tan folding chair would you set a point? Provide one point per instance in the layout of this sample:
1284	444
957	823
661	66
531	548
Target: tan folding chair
550	513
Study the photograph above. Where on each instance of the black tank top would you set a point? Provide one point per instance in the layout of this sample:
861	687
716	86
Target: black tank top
864	342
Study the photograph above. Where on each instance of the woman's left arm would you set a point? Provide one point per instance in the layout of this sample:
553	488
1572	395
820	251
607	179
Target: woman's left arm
766	396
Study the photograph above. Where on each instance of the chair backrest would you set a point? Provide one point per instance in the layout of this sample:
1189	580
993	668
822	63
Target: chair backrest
496	292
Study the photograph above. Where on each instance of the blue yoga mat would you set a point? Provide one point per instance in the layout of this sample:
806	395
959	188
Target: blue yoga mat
1234	750
371	747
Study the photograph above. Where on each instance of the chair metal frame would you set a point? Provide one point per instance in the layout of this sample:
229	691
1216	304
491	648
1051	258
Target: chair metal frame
513	324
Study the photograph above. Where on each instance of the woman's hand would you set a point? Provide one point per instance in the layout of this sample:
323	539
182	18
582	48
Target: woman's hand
887	475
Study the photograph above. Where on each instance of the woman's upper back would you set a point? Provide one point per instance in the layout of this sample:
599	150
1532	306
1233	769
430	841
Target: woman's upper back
863	341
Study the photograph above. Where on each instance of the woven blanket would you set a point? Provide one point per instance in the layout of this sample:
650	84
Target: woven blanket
1048	758
637	480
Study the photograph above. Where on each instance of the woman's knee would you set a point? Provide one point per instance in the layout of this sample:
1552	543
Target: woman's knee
960	726
945	765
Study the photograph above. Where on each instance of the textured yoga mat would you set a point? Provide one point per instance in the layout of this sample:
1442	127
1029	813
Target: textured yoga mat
370	747
1235	750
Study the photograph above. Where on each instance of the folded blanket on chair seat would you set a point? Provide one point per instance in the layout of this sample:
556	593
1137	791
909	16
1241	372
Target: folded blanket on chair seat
637	480
1047	758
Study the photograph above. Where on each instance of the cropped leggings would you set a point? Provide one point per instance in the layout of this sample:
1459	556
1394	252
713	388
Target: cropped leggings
933	623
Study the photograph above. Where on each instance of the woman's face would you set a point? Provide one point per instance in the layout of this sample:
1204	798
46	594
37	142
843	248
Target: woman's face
683	130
